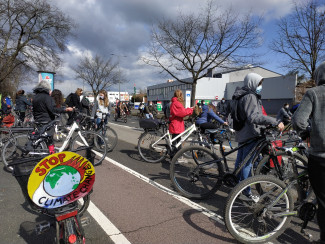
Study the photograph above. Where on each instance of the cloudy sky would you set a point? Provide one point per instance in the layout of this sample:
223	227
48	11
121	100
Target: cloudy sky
122	27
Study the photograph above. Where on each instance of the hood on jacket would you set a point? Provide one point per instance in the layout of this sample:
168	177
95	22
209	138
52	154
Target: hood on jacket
174	99
320	74
43	86
252	80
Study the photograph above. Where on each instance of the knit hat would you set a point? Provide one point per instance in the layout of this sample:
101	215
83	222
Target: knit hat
43	84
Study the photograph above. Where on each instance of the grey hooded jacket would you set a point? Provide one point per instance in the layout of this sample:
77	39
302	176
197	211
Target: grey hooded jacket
313	106
250	109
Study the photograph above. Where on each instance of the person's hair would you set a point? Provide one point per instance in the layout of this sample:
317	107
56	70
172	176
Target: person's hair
20	92
58	97
212	107
179	95
286	104
78	91
104	102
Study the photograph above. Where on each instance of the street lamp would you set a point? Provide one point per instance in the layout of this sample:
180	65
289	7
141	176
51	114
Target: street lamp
119	74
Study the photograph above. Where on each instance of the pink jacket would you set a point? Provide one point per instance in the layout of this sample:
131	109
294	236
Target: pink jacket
177	113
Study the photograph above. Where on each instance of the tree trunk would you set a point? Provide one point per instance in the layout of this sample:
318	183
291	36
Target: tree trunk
193	93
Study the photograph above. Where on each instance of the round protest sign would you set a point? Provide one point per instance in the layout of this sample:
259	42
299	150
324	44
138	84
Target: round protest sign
60	179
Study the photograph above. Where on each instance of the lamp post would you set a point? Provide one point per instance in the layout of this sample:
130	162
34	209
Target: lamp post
119	74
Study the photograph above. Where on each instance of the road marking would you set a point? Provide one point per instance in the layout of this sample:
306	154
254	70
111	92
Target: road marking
185	200
107	225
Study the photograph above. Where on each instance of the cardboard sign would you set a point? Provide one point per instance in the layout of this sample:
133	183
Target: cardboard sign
60	179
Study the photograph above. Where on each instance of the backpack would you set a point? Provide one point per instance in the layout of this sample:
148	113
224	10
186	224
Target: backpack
166	109
238	122
68	100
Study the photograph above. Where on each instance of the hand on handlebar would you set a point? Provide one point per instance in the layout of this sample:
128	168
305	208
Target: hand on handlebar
226	123
69	109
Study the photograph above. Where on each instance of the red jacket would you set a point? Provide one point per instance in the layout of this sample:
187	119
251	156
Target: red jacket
177	113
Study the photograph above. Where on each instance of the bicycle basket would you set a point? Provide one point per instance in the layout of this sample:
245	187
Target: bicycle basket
149	124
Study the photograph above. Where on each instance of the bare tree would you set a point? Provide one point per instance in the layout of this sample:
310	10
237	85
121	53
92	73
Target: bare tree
32	33
98	73
301	37
194	43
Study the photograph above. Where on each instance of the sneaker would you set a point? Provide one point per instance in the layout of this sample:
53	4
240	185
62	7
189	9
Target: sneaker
249	197
181	159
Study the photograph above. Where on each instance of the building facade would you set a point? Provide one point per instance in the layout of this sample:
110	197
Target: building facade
277	89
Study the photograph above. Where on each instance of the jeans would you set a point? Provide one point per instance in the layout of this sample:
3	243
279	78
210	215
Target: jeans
98	120
246	170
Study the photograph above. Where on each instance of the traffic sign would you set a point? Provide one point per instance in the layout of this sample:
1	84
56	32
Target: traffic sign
217	97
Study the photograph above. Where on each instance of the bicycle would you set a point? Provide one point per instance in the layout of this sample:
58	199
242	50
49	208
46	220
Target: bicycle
205	172
266	214
34	144
122	115
62	204
154	145
103	128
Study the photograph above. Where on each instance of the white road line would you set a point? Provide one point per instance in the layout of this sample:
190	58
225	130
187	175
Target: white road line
107	225
188	202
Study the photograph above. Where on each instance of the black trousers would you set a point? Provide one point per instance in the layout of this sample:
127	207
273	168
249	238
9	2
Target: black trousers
208	125
316	170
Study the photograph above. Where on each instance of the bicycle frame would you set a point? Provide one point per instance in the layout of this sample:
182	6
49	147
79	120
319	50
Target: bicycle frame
184	135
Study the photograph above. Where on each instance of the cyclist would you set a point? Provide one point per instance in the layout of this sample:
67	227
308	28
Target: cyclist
73	100
312	107
21	104
118	107
250	113
44	109
205	117
284	114
150	110
125	108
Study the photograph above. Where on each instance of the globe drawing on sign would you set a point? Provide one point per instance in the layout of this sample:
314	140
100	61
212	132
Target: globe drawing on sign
61	180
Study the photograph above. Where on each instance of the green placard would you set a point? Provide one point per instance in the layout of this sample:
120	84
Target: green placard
159	107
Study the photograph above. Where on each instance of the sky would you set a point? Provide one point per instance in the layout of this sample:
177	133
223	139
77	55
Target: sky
122	28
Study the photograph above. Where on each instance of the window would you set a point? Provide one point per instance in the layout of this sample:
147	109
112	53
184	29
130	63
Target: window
218	75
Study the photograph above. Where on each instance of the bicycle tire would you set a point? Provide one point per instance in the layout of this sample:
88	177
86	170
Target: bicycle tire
147	152
125	118
111	138
196	178
238	203
95	141
11	151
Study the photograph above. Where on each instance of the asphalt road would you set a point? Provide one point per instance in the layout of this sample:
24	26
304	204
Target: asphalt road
138	198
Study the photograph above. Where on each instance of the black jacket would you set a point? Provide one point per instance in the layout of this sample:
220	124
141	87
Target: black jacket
44	106
75	101
21	103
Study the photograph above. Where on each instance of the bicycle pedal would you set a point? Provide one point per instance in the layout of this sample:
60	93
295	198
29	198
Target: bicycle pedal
42	227
85	221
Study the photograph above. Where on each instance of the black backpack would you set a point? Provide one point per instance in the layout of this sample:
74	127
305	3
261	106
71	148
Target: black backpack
238	122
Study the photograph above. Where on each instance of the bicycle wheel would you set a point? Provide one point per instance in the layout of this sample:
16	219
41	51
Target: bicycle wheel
93	140
149	152
125	118
111	138
16	147
196	177
249	215
289	168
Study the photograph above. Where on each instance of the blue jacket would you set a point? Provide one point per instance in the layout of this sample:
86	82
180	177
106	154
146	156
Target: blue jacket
207	115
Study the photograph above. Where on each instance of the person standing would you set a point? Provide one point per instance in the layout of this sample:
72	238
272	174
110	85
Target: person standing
250	112
44	109
284	114
222	108
74	101
177	113
312	107
21	104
